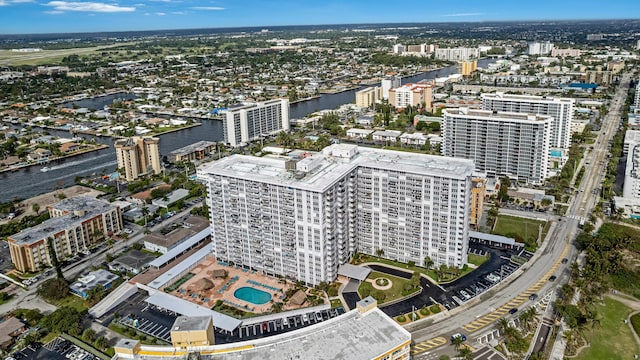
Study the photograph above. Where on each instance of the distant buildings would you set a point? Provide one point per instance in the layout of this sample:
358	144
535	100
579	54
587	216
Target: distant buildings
368	97
398	49
303	218
636	102
540	48
246	123
599	76
500	143
561	109
138	156
415	95
466	68
569	52
457	54
76	224
388	83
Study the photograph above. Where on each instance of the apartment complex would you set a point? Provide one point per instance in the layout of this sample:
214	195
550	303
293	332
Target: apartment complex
412	95
388	83
302	219
560	109
599	76
500	143
368	97
76	224
246	123
636	102
540	48
630	199
457	54
556	52
138	156
466	68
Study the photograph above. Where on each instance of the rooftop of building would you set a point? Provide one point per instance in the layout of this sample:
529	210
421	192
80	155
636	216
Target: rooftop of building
191	323
54	225
91	280
632	137
82	203
332	164
198	146
246	106
353	335
518	97
496	115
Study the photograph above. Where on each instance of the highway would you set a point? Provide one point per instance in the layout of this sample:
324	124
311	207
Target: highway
475	317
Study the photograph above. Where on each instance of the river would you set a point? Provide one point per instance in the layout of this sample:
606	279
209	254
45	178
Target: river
30	181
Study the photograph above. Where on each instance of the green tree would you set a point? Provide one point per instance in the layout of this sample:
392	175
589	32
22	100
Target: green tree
428	263
54	289
36	208
54	258
503	192
88	335
101	342
64	319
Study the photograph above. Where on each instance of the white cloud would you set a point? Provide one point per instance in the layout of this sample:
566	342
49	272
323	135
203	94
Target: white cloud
179	12
462	14
161	14
54	12
88	6
9	2
211	8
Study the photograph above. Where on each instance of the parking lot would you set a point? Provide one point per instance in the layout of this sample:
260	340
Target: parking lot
57	349
157	322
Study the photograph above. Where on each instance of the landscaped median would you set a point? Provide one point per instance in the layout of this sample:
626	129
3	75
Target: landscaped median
419	314
386	288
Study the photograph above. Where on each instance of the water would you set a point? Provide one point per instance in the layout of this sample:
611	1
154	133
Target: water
254	296
30	181
98	103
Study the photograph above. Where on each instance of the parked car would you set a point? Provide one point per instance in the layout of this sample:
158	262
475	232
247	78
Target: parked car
458	335
533	296
513	311
553	278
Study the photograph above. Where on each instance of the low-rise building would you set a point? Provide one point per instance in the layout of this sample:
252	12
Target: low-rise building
359	133
83	285
76	224
163	243
195	151
386	135
192	331
414	139
10	329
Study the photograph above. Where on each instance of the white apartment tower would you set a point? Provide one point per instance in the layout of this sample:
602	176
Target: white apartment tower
304	219
561	109
500	143
245	123
636	102
540	48
388	83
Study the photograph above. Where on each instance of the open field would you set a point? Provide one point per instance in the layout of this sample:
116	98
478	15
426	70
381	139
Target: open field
8	57
526	229
613	339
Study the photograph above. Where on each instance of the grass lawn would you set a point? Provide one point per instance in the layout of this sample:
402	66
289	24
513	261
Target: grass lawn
613	340
395	292
336	303
72	301
477	260
527	229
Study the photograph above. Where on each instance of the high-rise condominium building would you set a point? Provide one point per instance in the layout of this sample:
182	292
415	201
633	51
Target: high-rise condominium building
561	109
388	83
466	68
303	219
138	156
246	123
540	48
412	95
75	224
499	143
457	54
368	97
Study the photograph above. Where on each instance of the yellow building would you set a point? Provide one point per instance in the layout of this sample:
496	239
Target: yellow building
76	224
599	76
190	331
478	187
368	97
412	95
466	68
138	156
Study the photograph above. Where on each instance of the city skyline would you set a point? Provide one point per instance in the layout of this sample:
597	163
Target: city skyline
32	16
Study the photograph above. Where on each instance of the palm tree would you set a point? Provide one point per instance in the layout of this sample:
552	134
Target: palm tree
457	342
36	208
428	263
465	353
502	325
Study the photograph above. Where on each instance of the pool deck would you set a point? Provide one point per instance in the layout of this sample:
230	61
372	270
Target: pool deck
223	289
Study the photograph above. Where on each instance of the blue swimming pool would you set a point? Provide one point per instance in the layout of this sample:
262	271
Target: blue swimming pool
252	295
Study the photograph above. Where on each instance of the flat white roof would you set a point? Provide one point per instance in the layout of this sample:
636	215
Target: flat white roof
184	307
492	237
334	167
354	272
178	250
182	267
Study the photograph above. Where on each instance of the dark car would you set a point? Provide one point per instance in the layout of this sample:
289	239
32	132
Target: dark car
553	278
513	311
533	296
565	260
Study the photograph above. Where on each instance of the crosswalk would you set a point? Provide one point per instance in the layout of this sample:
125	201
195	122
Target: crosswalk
575	217
427	345
488	319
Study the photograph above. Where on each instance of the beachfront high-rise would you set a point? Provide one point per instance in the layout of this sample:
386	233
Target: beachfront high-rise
304	218
561	109
500	143
246	123
138	156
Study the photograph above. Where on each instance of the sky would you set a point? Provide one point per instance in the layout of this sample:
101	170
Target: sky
58	16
